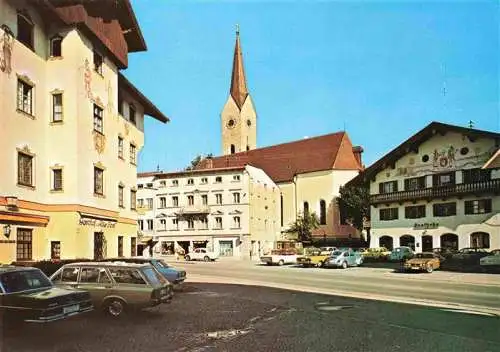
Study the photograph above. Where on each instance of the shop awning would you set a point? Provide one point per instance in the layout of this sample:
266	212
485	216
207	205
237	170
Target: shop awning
146	239
25	219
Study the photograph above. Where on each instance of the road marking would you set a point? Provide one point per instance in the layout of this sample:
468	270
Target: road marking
332	308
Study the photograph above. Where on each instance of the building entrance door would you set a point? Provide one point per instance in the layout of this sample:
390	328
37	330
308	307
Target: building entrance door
426	243
226	248
99	245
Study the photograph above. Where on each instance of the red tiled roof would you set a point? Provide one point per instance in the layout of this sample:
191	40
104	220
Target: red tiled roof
493	162
282	161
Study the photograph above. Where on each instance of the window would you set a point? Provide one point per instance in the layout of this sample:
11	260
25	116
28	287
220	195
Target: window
24	97
443	179
236	177
24	169
131	114
133	154
70	274
150	224
389	214
218	179
98	61
163	224
98	181
236	222
140	223
57	107
163	202
140	203
204	199
190	224
190	181
56	46
175	222
149	185
98	119
140	185
24	244
233	149
218	198
120	246
150	203
89	275
127	276
204	224
163	184
25	30
55	250
120	147
306	208
175	201
388	187
175	183
204	180
478	206
480	240
414	183
445	209
57	179
322	212
120	103
133	246
415	212
120	196
476	175
236	197
281	207
133	197
190	200
218	223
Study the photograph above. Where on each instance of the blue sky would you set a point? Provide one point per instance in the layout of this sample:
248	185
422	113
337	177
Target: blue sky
381	70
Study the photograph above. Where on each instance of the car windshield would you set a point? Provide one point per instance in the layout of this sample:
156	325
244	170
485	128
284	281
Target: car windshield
18	281
424	255
336	253
152	276
161	264
311	251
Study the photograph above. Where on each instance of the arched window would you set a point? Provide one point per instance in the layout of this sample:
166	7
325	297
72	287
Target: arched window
306	208
233	149
480	240
322	212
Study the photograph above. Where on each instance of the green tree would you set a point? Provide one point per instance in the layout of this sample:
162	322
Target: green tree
196	161
303	226
354	204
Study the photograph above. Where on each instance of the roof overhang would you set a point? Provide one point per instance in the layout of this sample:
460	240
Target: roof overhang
149	108
493	162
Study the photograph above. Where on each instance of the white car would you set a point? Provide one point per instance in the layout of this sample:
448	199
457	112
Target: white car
201	254
328	250
491	261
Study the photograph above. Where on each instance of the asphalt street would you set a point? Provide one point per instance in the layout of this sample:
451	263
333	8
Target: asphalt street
219	317
439	287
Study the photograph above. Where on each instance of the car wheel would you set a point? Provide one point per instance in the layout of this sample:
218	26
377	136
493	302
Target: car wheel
344	265
115	307
429	268
320	264
188	258
281	262
206	258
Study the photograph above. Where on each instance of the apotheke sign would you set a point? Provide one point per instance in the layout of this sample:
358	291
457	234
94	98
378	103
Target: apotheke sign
97	223
426	226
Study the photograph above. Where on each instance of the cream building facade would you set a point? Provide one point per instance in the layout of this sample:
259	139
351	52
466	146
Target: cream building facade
431	191
71	129
231	211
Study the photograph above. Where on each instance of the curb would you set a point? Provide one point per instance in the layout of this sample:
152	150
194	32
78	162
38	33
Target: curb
420	302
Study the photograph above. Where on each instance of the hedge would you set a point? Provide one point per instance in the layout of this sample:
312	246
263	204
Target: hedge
51	266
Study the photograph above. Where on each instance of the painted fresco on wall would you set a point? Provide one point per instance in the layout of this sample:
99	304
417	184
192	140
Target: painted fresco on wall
7	41
87	78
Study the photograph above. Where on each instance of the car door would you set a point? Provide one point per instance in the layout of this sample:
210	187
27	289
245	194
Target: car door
197	254
96	281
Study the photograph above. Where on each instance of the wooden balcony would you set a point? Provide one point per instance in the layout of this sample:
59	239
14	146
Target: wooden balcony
476	188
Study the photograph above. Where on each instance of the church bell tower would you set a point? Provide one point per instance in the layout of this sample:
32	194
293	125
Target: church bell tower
238	118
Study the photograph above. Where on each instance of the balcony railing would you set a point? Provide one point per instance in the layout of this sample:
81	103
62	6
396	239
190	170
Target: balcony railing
194	209
438	192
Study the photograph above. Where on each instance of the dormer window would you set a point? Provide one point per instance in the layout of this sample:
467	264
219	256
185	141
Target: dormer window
25	29
131	114
56	46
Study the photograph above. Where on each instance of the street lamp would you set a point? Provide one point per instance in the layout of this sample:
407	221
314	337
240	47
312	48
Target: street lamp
6	230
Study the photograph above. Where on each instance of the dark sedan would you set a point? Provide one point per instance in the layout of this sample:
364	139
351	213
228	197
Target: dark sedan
26	294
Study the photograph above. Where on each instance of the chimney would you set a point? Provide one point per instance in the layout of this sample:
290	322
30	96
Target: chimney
357	150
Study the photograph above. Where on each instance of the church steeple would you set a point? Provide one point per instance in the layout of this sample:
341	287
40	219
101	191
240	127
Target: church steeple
238	117
239	90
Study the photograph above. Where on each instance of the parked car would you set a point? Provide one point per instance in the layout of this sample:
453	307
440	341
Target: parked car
201	254
470	255
116	287
425	261
173	275
376	253
491	261
401	253
327	250
446	253
312	257
343	259
280	257
27	294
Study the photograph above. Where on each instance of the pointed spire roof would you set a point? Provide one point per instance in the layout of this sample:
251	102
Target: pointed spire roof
239	90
